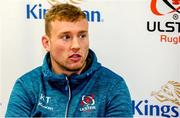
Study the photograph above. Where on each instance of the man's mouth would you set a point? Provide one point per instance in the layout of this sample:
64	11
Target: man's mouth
75	57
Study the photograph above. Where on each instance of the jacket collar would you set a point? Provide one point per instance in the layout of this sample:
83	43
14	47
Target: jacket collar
74	78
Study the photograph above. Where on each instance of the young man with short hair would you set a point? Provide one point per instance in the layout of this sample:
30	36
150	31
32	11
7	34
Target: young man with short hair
70	83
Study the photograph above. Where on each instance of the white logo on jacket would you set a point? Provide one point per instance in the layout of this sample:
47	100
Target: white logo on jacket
44	101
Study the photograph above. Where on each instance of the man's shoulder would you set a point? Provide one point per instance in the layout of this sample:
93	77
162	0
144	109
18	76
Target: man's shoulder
108	77
28	85
107	73
31	75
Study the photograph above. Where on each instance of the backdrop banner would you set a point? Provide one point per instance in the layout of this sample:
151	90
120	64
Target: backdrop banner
138	39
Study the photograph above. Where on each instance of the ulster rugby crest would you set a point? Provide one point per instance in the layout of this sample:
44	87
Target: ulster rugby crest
87	103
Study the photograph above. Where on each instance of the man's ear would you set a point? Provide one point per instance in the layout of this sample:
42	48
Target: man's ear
46	42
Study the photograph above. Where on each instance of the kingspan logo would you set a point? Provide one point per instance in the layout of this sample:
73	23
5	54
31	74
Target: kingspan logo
37	11
170	92
169	98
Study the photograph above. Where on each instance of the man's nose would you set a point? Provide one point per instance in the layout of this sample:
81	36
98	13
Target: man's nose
75	44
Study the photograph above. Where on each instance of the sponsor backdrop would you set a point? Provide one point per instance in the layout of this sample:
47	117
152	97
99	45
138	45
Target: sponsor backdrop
139	39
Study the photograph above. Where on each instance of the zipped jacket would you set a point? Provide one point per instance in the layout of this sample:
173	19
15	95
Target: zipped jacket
96	92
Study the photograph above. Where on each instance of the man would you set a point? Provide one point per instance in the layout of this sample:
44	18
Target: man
70	83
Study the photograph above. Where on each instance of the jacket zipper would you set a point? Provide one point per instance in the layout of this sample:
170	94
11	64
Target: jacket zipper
69	98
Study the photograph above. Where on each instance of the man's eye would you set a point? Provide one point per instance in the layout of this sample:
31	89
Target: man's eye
82	36
65	37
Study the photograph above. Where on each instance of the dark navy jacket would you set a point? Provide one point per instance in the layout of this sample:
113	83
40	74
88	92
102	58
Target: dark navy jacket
96	92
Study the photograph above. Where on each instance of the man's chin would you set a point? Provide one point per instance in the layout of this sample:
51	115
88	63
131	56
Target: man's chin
73	66
76	68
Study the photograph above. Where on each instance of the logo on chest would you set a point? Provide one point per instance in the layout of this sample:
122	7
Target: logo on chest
44	102
87	103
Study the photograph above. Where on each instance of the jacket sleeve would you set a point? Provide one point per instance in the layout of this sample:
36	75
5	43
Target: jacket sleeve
119	102
19	104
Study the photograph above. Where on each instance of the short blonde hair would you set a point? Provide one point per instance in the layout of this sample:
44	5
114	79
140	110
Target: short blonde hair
62	12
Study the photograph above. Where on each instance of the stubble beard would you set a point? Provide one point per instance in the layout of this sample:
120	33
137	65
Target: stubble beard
75	69
65	69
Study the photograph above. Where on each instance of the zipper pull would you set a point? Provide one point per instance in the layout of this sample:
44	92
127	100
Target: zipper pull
67	85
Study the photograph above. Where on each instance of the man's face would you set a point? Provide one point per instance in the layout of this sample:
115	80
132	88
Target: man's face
68	45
